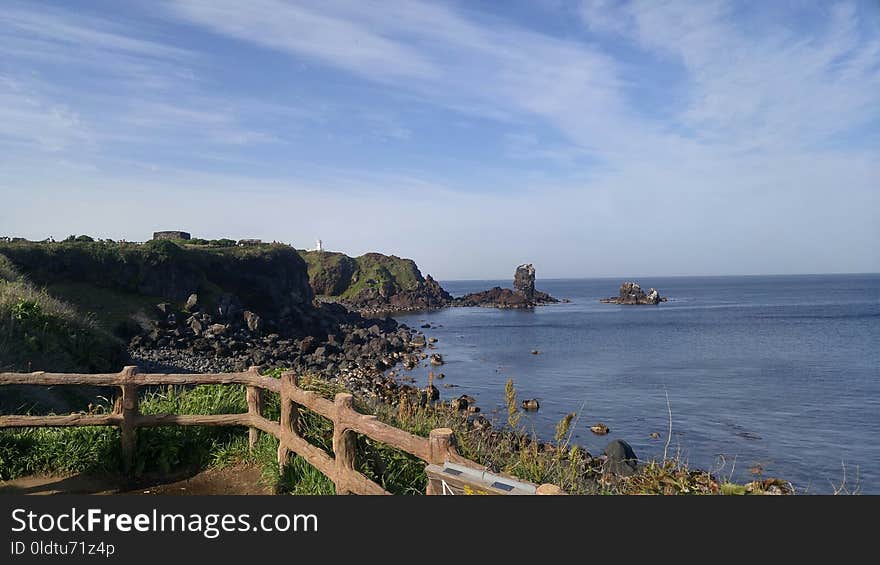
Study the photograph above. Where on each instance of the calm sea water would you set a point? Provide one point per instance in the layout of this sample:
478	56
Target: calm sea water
779	371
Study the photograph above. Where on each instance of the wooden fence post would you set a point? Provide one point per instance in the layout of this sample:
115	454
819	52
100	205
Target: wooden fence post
344	442
289	417
129	408
255	407
441	444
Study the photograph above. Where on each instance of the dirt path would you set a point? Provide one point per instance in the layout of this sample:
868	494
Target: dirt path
239	479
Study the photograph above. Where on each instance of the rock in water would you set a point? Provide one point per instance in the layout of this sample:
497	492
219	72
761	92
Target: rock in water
621	459
523	294
524	281
632	293
600	429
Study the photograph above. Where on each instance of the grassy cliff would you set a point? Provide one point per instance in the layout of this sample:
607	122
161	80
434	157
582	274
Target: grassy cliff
118	283
340	276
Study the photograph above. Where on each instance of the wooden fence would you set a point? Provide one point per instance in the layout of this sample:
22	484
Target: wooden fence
436	450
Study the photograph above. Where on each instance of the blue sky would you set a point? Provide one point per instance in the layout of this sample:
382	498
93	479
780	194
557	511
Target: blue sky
592	138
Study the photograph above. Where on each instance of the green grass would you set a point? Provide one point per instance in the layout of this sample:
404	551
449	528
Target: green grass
40	332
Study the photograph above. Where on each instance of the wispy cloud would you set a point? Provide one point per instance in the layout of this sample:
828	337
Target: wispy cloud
724	132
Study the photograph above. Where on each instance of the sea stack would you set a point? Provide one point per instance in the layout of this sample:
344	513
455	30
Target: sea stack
524	281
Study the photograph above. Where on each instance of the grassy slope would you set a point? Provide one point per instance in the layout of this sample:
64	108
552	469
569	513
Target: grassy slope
40	332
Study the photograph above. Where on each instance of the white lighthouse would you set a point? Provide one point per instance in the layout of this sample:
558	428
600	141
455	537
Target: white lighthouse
319	246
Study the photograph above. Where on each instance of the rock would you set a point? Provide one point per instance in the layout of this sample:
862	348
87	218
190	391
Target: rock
524	294
307	345
229	306
600	429
418	340
253	321
654	435
195	325
531	404
524	281
459	403
481	423
192	303
620	458
165	308
425	326
535	352
432	392
217	329
432	340
441	376
436	359
631	293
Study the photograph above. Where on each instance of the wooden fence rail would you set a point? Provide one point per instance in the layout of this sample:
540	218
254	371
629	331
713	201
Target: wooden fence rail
436	450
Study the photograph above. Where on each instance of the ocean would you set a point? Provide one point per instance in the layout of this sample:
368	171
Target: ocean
767	376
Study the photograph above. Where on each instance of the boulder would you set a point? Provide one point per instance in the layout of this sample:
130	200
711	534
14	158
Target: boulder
192	303
195	325
418	340
254	322
620	458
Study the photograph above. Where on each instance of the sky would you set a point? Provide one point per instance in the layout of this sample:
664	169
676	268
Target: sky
591	138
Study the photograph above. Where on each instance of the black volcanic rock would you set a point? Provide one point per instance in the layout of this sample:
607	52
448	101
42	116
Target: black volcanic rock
524	294
631	293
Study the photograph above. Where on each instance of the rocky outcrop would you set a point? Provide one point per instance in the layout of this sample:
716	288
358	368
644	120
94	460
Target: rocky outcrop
524	281
373	283
427	295
524	294
631	293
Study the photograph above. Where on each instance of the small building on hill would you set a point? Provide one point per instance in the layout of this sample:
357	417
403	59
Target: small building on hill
247	242
171	235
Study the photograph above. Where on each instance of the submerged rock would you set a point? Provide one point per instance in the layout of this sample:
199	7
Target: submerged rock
531	404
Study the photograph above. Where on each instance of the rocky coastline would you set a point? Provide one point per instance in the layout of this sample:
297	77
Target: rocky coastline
429	295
